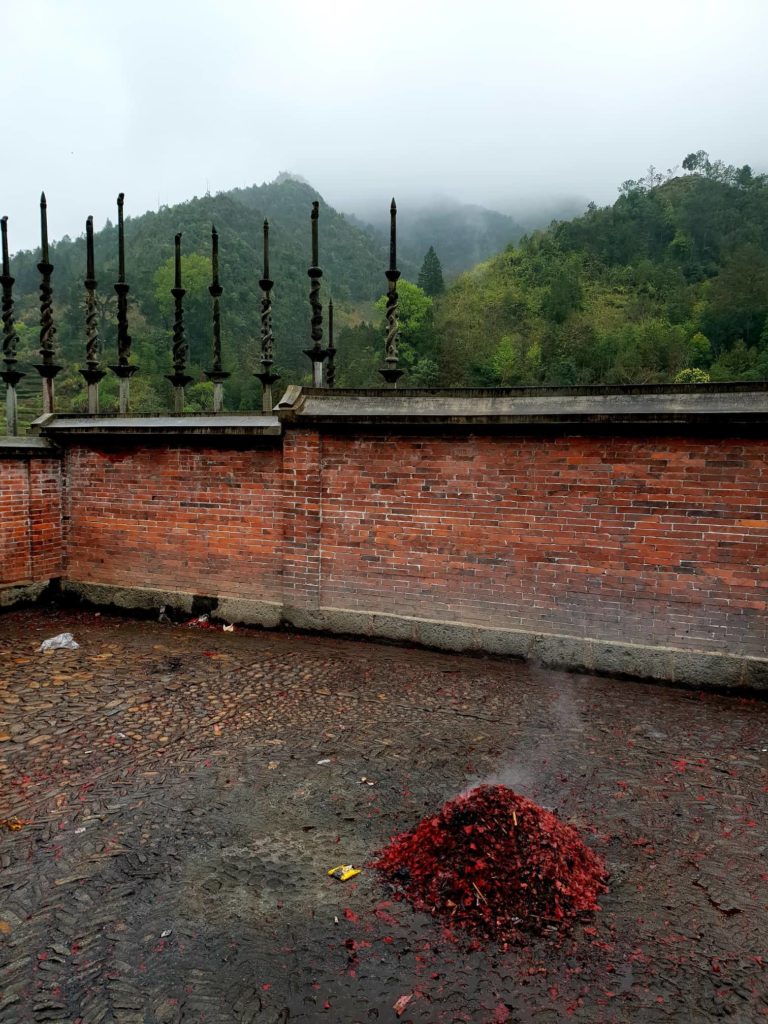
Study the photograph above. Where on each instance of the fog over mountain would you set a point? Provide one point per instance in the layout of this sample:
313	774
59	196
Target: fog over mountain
504	104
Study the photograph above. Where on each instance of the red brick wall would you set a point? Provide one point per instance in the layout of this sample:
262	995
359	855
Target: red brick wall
204	520
30	519
653	540
657	540
303	518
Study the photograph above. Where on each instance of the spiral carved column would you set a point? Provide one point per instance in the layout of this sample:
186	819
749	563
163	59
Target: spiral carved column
10	375
330	368
390	372
179	378
92	372
317	353
47	368
267	376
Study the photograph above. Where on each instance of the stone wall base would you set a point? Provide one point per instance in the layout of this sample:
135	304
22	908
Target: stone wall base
689	668
22	593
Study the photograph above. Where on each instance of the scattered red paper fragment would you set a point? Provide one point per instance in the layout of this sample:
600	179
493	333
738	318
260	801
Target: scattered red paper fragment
401	1004
495	864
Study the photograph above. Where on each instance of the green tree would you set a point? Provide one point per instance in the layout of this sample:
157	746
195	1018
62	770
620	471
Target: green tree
563	295
360	354
699	350
692	375
430	277
195	278
516	361
741	362
418	343
697	162
738	296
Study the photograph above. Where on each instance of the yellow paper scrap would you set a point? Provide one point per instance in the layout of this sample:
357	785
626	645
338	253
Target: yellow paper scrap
344	872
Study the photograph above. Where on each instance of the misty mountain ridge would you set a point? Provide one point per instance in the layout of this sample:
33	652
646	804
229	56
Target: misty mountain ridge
673	275
462	234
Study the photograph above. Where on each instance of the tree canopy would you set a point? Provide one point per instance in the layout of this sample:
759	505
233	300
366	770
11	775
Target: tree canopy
672	277
431	274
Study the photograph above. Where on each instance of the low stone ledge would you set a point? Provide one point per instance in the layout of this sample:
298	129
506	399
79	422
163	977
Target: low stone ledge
327	620
241	609
704	670
165	427
756	674
682	407
566	652
147	599
708	671
28	447
12	594
637	661
104	595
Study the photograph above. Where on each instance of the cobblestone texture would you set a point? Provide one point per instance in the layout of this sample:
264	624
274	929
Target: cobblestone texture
178	829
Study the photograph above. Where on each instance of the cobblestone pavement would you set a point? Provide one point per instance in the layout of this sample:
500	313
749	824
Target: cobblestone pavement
179	826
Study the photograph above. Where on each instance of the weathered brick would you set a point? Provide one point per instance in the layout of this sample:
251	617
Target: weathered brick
30	520
659	540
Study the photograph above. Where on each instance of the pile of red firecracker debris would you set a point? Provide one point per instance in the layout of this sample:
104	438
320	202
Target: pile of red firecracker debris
496	864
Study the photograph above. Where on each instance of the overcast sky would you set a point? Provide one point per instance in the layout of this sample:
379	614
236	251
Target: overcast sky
498	102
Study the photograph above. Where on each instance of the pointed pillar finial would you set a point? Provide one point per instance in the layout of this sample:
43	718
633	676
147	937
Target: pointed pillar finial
92	372
267	376
179	378
122	368
47	368
317	353
216	374
9	374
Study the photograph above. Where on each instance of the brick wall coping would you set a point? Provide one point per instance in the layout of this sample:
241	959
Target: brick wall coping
730	405
203	425
28	447
717	406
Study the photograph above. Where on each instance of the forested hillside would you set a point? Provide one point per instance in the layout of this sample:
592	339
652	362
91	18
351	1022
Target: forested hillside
671	279
673	276
352	259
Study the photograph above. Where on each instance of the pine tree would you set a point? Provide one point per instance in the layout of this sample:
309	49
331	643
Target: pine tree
431	274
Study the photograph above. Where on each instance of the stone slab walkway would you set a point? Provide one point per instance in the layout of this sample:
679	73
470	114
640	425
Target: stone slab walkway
178	828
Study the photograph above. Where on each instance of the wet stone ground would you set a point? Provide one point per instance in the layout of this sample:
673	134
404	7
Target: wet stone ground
178	829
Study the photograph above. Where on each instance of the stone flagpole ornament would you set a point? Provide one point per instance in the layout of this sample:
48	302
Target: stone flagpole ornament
122	368
391	373
92	372
216	373
317	353
178	378
47	368
267	376
9	373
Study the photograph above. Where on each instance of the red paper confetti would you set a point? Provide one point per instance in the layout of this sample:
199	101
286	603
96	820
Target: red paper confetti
495	864
401	1004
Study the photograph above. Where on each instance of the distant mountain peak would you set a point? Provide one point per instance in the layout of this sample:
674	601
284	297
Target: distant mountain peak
284	176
